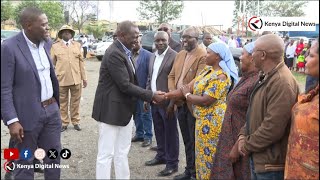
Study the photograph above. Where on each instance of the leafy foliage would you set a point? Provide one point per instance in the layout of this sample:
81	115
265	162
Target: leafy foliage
161	10
97	30
6	10
283	8
53	10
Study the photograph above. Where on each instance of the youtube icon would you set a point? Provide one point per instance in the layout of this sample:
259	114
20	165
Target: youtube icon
11	154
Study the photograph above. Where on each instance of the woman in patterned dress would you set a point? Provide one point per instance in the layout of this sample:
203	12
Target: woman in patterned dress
209	91
302	160
227	163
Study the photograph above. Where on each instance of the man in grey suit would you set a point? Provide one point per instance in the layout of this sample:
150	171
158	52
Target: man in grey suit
164	119
114	103
30	93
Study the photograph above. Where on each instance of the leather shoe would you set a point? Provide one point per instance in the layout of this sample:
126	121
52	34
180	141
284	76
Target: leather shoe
136	139
64	128
183	176
77	127
154	162
168	171
154	148
146	143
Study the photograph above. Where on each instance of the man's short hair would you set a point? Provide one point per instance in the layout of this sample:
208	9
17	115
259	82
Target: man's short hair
29	14
125	26
206	34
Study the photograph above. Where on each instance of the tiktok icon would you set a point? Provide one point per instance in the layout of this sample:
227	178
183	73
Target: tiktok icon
65	153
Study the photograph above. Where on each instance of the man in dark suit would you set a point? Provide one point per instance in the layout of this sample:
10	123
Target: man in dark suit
114	103
172	43
30	93
142	119
165	121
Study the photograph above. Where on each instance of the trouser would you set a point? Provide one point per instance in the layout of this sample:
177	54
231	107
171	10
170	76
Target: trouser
167	136
271	175
113	145
46	135
75	97
143	122
84	52
187	127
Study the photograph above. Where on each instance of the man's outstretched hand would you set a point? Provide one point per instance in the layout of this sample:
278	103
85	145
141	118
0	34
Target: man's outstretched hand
158	97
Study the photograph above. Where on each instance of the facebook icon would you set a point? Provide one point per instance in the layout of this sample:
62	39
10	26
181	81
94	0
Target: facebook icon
25	154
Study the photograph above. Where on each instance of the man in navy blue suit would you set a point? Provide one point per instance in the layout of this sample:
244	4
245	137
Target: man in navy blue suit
30	92
142	119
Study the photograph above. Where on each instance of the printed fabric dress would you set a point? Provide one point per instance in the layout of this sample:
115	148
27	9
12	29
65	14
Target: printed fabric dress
234	119
208	118
302	160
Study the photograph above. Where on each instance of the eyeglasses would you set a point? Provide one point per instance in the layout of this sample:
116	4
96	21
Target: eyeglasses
163	29
188	37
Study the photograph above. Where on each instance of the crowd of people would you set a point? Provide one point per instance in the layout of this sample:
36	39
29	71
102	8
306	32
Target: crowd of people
258	126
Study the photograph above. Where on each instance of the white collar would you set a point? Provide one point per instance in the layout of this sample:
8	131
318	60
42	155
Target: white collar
163	54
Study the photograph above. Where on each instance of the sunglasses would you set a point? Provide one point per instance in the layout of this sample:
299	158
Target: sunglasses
163	29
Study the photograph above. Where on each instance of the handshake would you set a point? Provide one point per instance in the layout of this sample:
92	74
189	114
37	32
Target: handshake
160	96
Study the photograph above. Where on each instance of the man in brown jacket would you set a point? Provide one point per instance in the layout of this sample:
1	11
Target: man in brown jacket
70	70
265	135
187	65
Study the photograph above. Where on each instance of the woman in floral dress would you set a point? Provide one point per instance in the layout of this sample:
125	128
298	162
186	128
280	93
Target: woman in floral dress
209	91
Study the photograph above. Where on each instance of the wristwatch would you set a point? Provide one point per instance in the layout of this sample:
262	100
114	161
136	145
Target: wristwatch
186	95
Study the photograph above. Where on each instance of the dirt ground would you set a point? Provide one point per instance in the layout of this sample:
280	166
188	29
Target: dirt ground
83	144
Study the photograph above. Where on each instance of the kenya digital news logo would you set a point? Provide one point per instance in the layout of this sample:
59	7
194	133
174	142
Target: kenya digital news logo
255	23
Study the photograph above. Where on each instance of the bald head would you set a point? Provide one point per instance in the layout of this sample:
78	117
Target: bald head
191	31
273	45
29	14
161	34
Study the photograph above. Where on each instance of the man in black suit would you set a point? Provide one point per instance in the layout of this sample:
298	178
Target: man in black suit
114	103
164	119
172	43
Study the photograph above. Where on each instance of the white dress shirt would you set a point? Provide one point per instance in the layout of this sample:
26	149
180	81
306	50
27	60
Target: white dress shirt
156	66
43	66
290	51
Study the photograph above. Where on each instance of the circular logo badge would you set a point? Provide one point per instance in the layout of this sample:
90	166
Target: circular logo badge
65	153
40	154
52	154
9	166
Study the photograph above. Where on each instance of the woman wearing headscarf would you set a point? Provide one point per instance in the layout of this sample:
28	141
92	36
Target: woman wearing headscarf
227	163
207	94
302	160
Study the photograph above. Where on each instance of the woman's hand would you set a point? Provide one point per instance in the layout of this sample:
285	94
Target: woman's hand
185	89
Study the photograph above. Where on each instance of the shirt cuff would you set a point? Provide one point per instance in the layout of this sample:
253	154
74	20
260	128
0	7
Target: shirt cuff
12	121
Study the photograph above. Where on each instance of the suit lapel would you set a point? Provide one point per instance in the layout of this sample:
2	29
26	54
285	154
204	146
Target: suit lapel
151	64
27	54
165	59
181	64
129	67
190	62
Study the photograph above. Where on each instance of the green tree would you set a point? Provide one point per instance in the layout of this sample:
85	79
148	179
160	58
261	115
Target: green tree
97	30
53	10
160	11
81	12
283	8
6	10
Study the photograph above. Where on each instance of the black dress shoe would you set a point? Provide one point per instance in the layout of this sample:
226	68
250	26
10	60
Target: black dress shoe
183	176
146	143
154	148
154	162
168	171
136	139
77	127
64	128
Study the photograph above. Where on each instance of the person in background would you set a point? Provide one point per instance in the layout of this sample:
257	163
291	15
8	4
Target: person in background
71	73
298	50
206	40
85	44
239	44
142	119
228	164
114	36
164	118
114	103
223	38
30	93
232	42
172	43
247	42
301	61
302	159
290	54
264	136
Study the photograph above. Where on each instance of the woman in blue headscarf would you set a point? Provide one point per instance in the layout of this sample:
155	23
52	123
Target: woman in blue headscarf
227	163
